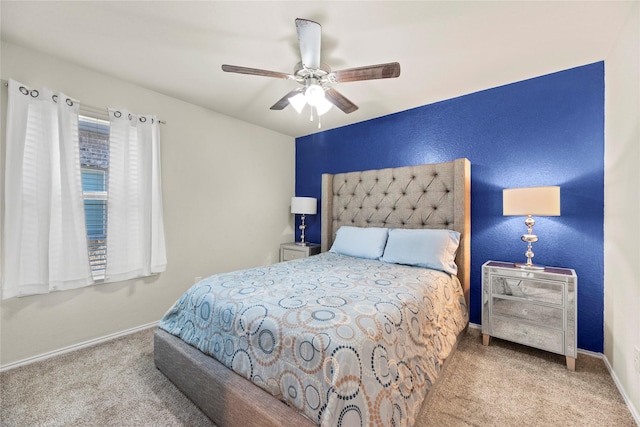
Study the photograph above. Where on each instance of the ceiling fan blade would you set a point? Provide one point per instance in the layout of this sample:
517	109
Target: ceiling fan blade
381	71
340	101
309	35
284	101
255	71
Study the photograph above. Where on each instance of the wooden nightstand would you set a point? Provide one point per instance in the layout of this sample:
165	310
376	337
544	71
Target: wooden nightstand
289	251
537	308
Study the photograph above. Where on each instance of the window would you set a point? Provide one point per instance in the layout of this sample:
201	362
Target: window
67	194
94	161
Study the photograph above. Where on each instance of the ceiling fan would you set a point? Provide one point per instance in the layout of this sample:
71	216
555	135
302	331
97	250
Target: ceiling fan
316	79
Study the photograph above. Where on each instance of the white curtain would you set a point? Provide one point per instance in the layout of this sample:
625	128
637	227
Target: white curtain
135	226
45	241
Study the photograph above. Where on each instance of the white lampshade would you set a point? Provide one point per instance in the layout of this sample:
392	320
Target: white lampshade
323	106
298	102
314	94
304	205
536	201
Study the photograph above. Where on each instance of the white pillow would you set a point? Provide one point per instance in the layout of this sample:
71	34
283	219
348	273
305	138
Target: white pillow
361	242
435	249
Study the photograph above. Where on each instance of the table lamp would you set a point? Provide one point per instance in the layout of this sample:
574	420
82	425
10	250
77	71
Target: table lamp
529	201
303	206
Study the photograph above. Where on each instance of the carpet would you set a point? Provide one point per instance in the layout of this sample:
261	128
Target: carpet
116	384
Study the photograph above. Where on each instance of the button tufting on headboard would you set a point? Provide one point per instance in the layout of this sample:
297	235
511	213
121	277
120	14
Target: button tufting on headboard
392	197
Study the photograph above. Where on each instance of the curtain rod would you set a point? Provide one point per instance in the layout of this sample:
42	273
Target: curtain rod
90	108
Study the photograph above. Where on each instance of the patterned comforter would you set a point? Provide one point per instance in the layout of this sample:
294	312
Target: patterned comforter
346	341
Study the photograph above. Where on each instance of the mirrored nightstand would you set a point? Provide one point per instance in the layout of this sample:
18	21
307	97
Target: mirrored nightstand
289	251
537	308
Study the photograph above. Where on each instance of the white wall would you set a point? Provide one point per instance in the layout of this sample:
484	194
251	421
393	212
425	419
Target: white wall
227	188
622	207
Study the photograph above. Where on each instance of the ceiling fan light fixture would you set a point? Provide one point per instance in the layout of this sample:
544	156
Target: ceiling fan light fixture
298	102
323	106
314	95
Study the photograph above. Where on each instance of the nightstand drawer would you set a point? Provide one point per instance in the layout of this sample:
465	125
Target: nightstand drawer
528	334
528	289
289	254
536	313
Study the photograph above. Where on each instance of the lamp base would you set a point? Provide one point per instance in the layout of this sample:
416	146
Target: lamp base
529	238
525	266
302	227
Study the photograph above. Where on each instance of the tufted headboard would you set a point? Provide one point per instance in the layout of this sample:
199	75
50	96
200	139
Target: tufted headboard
425	196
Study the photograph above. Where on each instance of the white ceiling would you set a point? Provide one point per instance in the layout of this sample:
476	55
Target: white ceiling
445	48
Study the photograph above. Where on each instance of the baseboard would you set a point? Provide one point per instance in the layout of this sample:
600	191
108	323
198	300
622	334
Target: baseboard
591	353
74	347
475	326
632	409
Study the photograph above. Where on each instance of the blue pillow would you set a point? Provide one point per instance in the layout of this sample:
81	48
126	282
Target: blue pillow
361	242
435	249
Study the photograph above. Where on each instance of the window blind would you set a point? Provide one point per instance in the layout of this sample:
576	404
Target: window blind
94	161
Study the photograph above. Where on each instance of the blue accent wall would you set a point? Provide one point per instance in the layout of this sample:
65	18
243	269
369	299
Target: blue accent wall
547	130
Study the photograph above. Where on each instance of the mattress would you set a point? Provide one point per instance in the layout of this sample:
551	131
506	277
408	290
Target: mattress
343	340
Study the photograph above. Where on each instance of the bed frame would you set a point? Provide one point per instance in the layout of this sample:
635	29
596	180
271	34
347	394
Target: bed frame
424	196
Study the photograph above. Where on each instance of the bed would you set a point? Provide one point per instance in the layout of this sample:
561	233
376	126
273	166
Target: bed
342	339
